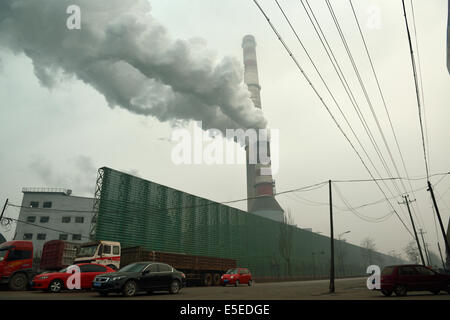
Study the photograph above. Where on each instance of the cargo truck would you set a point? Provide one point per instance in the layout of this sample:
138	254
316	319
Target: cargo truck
101	252
199	270
16	263
57	255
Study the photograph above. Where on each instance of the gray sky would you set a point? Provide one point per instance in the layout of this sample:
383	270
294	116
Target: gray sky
59	136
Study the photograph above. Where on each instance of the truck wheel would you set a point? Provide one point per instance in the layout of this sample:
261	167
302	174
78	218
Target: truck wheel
56	286
174	287
18	282
129	289
216	279
207	279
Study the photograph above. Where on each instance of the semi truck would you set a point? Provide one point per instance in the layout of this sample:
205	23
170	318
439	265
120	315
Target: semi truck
199	270
16	264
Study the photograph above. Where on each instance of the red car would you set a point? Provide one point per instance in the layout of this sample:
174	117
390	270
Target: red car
57	281
404	278
236	277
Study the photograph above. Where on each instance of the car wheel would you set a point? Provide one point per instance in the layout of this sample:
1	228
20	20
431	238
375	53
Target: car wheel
387	293
174	287
400	291
56	286
250	283
236	283
129	289
18	282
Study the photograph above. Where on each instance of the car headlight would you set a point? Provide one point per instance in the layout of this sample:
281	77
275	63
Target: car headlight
232	277
117	278
43	277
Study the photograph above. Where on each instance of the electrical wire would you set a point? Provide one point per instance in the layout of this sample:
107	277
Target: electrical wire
417	89
386	108
325	105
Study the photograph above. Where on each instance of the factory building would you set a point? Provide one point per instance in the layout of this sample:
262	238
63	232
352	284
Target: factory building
53	214
260	184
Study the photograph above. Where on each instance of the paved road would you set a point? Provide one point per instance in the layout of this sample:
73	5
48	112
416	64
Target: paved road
346	289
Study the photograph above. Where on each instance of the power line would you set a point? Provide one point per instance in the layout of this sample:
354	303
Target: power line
416	87
324	104
366	95
346	87
301	189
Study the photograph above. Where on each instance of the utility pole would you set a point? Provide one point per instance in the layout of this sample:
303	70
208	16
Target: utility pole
447	246
3	211
407	201
425	247
332	240
442	259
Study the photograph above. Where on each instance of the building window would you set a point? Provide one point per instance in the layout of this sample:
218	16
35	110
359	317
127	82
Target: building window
63	236
65	219
47	204
76	237
34	204
27	236
31	219
41	236
79	219
44	219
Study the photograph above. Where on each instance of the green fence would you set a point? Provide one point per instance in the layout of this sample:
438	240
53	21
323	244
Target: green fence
137	212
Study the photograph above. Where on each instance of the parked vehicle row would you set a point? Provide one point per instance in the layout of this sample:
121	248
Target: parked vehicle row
134	278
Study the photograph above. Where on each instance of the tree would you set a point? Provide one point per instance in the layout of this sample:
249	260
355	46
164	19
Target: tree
285	239
412	253
368	250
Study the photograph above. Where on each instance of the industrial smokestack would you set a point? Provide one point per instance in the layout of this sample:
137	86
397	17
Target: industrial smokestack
260	185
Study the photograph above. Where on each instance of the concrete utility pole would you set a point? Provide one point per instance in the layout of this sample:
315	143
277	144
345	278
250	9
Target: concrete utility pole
3	211
332	241
447	245
407	201
425	247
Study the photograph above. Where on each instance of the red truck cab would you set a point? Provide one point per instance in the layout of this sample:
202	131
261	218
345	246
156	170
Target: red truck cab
16	261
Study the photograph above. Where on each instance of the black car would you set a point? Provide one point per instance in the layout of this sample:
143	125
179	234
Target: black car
140	276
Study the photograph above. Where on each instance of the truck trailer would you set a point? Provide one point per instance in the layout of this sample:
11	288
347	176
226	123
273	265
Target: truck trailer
199	270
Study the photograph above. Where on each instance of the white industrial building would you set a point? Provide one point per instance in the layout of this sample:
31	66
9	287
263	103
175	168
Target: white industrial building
53	214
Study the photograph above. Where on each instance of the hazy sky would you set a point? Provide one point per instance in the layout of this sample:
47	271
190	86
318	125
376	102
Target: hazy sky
57	133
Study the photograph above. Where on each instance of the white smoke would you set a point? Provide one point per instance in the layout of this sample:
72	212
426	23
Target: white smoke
127	56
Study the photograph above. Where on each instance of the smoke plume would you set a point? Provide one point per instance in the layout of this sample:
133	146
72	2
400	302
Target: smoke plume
128	57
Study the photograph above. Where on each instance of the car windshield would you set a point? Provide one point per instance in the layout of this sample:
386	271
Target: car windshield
87	251
134	267
232	271
3	253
